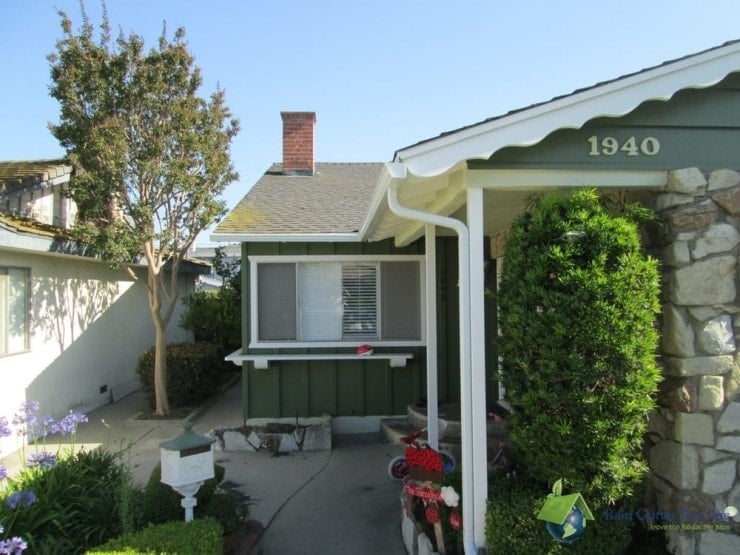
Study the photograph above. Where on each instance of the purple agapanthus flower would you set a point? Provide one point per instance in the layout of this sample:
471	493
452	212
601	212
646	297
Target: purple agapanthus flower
26	417
44	427
42	459
20	499
68	424
12	546
3	475
5	430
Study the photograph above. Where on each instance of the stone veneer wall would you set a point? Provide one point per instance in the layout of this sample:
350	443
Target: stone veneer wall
694	437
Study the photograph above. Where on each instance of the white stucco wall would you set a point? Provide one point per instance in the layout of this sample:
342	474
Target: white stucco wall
89	324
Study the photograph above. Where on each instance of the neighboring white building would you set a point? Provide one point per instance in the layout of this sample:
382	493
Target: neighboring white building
71	327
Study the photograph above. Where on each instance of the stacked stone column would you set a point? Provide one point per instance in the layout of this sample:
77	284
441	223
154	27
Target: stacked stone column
694	436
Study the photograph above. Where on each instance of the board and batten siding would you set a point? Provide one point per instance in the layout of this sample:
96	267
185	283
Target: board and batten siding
334	387
361	387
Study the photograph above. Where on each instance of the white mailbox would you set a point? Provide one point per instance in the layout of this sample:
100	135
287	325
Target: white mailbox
187	462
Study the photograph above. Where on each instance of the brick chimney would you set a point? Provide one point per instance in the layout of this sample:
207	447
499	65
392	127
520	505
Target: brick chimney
298	143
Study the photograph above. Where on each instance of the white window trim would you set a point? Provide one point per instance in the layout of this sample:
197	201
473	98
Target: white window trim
254	261
27	324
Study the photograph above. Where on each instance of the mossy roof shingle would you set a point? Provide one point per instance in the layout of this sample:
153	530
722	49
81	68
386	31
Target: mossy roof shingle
333	200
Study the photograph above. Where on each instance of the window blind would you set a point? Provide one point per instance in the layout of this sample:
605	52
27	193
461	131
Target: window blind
360	301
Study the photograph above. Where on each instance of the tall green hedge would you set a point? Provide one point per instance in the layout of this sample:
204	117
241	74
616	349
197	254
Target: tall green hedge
578	302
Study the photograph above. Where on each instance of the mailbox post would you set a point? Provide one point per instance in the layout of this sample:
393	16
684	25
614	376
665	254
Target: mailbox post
187	462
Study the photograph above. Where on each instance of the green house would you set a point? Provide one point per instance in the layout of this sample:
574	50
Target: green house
402	256
316	292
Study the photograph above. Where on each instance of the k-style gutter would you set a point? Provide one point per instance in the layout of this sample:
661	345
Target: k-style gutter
466	393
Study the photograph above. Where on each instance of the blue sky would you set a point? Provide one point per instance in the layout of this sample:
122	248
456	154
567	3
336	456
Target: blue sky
381	74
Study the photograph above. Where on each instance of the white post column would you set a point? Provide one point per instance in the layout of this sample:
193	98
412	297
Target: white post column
430	266
478	362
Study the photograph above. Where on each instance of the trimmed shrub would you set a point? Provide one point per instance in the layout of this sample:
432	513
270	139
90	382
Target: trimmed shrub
161	503
226	508
578	302
198	537
195	372
512	525
214	317
79	503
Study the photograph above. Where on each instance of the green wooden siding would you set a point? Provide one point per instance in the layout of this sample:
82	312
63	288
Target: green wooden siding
361	387
697	127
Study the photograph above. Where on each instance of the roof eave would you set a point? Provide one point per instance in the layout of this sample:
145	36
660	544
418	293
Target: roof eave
529	126
285	237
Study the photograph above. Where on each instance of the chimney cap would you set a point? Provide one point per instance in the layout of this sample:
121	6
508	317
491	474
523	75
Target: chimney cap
299	114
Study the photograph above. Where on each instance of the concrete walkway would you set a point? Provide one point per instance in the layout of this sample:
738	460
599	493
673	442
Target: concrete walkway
322	502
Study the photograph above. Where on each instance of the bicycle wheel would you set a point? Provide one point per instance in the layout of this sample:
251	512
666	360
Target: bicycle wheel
398	468
449	464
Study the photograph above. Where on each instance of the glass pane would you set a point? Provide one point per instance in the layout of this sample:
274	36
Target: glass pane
360	301
276	302
401	300
320	301
14	309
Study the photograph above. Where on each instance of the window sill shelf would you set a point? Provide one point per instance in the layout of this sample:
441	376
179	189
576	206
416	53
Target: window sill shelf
262	362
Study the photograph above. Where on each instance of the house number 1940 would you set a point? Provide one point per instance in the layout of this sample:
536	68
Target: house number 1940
609	146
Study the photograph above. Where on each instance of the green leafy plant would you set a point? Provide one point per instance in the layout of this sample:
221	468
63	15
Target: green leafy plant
214	317
577	305
512	525
70	506
195	372
152	155
198	537
226	507
161	503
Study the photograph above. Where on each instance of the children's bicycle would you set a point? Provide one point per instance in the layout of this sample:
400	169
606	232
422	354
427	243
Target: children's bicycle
398	467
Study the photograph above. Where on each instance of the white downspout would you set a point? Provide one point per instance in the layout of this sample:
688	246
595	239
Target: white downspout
430	276
466	394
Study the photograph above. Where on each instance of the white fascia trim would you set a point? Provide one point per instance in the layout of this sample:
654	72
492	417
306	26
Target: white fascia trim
257	259
353	344
512	180
285	237
390	171
530	126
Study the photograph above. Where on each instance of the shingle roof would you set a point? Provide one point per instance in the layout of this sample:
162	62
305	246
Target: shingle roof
33	171
333	200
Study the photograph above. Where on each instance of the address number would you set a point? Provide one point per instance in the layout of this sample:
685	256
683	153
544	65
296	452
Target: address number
609	146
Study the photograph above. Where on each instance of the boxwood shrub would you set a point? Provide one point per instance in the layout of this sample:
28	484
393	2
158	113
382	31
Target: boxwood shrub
512	525
198	537
195	371
161	503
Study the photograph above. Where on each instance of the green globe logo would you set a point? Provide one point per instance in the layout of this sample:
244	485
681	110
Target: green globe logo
572	529
565	516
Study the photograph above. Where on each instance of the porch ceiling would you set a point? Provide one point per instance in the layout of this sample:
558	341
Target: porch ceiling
506	193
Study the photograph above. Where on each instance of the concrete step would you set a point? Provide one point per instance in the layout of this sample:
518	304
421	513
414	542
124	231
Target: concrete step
393	429
450	412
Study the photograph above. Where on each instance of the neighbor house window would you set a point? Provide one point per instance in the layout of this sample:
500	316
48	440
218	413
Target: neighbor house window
336	301
14	310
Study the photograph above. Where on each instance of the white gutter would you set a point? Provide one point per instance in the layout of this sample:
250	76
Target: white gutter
466	394
285	237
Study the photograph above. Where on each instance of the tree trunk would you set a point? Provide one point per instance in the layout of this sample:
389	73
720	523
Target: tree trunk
162	403
160	368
